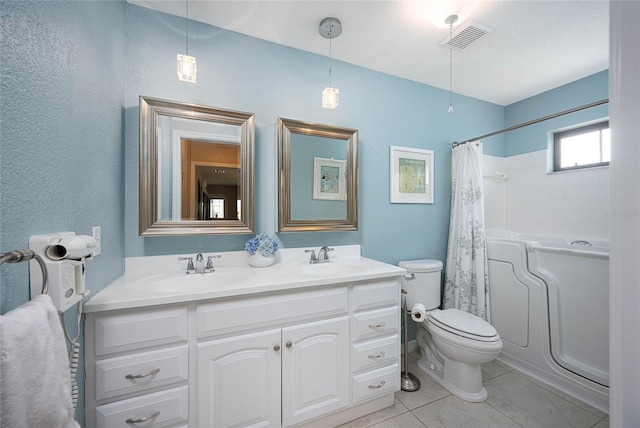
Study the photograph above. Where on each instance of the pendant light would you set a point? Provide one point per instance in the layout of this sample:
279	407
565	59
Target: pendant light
186	63
451	19
330	28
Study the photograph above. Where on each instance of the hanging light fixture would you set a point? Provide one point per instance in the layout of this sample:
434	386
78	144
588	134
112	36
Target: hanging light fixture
186	63
451	19
330	28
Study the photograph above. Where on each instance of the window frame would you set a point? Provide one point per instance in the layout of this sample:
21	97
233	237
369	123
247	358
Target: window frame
559	135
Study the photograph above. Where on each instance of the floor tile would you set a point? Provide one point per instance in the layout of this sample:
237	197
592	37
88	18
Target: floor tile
494	369
567	397
429	391
452	412
366	421
406	420
531	405
602	424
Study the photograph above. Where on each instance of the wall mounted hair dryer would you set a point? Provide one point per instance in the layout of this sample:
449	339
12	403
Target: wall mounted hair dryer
64	254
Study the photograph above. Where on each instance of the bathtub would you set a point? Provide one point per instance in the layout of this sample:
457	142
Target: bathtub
550	304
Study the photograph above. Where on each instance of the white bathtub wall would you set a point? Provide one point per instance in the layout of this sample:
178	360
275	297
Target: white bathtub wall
574	204
494	192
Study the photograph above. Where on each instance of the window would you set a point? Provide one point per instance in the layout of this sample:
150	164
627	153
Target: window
583	147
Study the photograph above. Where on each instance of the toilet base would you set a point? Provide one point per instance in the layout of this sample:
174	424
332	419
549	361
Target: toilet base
464	380
470	381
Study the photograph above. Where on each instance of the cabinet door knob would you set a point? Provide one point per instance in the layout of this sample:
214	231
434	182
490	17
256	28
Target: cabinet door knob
379	325
140	420
276	348
143	375
289	344
378	386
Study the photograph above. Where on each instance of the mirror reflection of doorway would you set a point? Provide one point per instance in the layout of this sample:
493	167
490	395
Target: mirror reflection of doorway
210	172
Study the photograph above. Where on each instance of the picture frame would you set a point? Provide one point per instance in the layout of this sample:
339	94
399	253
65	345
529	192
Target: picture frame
329	179
411	175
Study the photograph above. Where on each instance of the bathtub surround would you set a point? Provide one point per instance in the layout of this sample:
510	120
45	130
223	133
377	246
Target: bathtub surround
572	204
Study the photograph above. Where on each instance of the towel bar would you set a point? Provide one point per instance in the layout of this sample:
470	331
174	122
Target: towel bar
18	256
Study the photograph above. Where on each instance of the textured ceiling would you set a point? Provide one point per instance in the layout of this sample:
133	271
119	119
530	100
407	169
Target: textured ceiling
535	45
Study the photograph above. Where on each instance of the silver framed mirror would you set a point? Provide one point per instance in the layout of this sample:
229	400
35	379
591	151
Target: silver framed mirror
196	169
317	177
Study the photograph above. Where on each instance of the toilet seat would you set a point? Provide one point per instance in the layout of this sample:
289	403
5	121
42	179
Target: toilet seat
464	324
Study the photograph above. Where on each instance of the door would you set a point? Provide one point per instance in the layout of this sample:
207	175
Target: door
315	369
239	381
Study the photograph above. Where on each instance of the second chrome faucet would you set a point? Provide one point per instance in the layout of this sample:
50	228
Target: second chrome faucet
322	257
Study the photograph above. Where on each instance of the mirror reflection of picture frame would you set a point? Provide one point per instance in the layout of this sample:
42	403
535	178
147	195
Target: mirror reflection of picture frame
329	179
411	175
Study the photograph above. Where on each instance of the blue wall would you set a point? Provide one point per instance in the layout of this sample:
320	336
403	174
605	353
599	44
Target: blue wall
61	147
535	137
248	74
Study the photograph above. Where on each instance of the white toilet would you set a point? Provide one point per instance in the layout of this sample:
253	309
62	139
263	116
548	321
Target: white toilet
453	343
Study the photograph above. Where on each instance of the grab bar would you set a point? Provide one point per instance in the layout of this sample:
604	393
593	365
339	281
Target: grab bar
532	246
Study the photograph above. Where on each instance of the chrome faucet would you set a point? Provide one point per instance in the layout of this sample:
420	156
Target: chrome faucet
322	257
199	266
323	254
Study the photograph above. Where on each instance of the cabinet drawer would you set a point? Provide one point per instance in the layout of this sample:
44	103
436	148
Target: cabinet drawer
125	332
375	353
149	370
237	314
375	323
376	294
169	407
375	383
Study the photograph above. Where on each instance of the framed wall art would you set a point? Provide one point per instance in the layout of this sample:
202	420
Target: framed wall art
411	175
329	179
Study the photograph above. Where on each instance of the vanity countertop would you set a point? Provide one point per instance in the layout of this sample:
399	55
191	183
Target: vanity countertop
156	280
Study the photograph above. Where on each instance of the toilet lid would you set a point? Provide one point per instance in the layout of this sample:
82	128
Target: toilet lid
464	324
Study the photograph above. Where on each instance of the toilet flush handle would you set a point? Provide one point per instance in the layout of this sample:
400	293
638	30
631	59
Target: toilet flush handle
409	276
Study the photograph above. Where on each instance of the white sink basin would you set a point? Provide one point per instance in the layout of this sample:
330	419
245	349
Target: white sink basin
334	268
179	281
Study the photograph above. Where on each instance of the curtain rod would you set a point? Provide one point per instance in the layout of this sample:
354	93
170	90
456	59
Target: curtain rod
531	122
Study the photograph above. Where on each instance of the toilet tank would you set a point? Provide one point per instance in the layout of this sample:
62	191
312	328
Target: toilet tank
422	282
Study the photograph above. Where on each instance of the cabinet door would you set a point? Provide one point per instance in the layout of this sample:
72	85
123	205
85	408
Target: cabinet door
239	381
315	369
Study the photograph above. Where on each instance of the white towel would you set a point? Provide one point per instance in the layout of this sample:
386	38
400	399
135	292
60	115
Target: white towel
35	381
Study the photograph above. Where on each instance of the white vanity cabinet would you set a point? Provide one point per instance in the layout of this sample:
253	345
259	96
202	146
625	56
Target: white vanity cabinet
137	368
323	355
275	377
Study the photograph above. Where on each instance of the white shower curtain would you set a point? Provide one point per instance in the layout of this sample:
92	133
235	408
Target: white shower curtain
467	273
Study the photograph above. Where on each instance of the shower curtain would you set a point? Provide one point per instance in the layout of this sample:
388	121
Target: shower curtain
467	273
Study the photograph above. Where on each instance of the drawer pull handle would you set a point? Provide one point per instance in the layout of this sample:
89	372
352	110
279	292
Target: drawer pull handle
142	376
379	325
140	420
375	357
378	386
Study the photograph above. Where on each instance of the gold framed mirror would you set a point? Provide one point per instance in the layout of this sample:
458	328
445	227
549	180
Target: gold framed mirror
317	177
196	169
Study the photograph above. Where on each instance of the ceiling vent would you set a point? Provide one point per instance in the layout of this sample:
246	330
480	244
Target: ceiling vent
465	36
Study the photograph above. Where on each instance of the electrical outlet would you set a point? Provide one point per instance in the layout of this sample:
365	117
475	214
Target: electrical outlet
97	235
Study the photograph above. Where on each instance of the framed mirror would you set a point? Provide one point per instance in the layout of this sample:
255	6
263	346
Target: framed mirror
317	177
196	169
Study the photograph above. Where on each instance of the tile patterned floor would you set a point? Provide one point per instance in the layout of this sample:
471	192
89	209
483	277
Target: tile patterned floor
514	401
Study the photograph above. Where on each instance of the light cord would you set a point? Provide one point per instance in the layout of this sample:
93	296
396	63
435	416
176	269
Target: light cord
187	34
450	66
